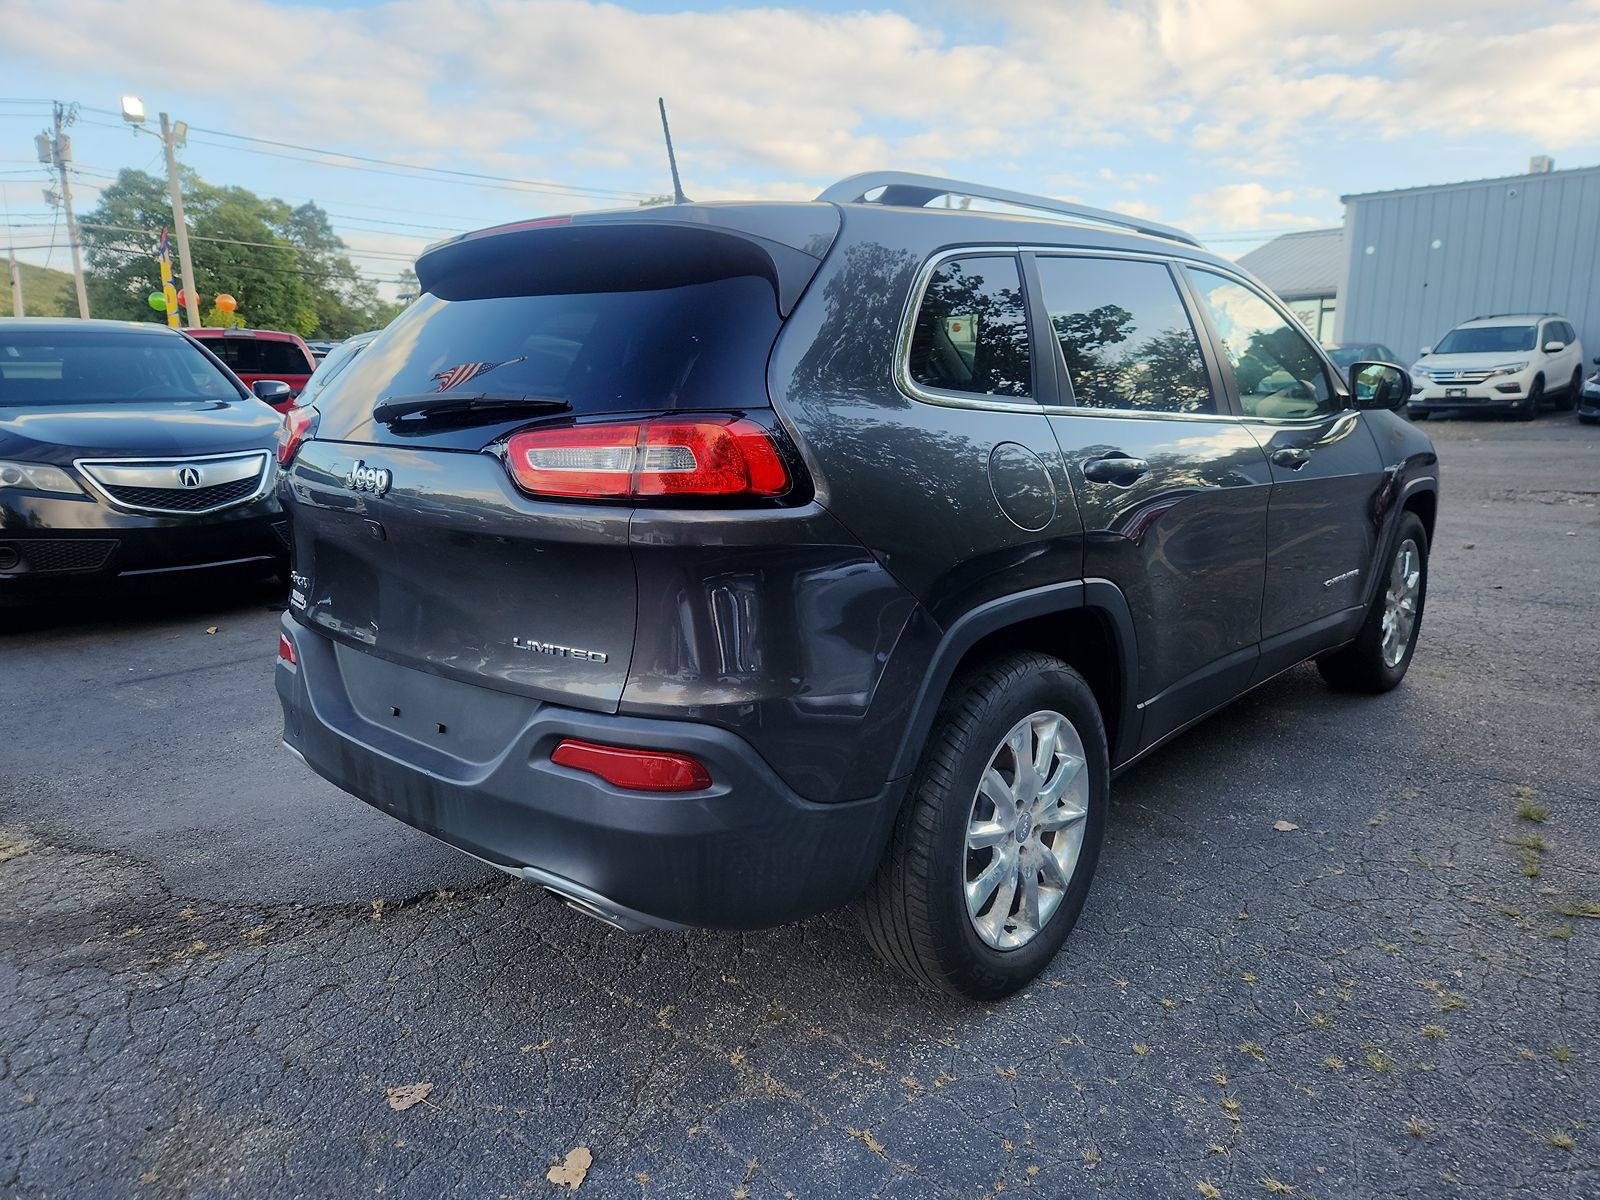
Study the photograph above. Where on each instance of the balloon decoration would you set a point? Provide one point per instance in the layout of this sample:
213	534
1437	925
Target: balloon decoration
183	298
226	303
158	301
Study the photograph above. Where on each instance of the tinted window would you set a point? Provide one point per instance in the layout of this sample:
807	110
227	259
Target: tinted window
1278	371
972	330
1125	335
104	367
1488	339
335	361
703	345
260	356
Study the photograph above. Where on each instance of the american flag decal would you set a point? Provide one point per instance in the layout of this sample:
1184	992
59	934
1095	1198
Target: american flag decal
458	375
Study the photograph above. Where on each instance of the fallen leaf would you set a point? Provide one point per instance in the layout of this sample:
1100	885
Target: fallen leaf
409	1096
211	628
1285	826
569	1172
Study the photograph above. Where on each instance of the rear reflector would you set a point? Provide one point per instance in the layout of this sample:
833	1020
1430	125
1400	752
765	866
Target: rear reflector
635	770
286	649
667	456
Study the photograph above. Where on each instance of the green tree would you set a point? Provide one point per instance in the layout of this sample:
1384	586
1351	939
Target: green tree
284	266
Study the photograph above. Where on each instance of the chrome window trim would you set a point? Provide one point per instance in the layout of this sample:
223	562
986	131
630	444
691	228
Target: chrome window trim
263	481
919	287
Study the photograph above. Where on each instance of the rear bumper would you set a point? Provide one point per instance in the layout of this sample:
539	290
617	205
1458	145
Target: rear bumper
471	766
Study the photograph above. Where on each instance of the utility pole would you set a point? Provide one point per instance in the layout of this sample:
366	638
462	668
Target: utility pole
57	152
16	283
170	137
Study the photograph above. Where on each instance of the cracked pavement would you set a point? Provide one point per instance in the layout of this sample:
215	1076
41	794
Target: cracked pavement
212	964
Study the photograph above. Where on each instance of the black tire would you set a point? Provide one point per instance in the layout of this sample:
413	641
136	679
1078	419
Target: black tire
1417	414
1533	402
1569	398
914	911
1360	666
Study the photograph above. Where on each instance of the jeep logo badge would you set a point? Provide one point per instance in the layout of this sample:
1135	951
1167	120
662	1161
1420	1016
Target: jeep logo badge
363	478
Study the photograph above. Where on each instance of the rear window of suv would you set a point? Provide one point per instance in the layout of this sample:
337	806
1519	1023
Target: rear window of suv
259	356
1488	339
698	346
971	333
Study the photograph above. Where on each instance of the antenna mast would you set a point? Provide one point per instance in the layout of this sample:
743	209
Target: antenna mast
672	159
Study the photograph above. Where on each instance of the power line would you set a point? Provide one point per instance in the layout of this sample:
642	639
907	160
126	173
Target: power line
540	185
410	171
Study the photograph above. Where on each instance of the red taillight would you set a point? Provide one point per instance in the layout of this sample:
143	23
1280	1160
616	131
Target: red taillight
298	425
286	650
635	770
666	456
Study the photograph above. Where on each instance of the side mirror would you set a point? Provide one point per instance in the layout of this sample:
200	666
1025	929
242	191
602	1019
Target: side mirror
1424	352
1554	347
273	391
1380	385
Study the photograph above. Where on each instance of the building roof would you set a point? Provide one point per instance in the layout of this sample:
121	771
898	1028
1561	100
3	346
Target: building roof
1472	183
1299	265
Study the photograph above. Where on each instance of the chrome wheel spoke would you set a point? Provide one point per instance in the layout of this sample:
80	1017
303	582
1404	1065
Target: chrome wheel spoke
1065	777
984	886
1028	912
1059	817
983	834
998	792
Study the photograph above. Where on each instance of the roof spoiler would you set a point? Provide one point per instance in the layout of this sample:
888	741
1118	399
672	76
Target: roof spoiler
903	189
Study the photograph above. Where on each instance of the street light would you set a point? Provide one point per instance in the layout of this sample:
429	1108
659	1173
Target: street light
172	136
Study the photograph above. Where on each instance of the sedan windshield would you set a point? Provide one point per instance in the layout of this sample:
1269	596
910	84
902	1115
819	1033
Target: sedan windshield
104	366
1487	339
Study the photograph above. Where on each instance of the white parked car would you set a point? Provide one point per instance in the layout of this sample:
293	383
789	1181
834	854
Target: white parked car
1510	362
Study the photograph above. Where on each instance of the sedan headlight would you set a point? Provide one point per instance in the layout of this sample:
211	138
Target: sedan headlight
1508	369
38	477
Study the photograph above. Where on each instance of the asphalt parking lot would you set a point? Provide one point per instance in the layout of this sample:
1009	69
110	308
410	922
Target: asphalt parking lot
213	965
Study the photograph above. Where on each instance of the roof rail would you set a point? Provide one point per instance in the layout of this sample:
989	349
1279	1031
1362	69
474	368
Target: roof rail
1494	316
901	188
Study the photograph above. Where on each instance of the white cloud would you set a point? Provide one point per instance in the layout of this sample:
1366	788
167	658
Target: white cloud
564	88
1251	206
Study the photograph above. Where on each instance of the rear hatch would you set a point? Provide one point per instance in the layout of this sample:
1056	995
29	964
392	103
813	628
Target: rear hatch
412	542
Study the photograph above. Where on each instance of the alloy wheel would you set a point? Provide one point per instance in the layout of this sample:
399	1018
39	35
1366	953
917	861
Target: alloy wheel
1025	830
1400	602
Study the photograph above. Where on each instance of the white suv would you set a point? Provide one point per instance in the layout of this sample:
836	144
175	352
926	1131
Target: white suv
1510	362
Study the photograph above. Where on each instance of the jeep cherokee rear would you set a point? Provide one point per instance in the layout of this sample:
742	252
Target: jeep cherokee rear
718	565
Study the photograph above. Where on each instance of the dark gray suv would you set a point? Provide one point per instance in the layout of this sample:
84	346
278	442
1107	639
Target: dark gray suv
720	564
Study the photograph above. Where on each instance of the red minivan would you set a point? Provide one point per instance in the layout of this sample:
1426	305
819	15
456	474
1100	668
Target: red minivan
255	354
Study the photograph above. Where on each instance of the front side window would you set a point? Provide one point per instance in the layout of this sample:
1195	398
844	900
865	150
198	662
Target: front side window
1278	371
1125	335
971	333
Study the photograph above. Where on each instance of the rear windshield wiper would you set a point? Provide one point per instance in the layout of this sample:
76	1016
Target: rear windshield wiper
459	406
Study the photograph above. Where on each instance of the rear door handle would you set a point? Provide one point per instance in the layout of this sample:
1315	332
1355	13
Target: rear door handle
1115	468
1294	459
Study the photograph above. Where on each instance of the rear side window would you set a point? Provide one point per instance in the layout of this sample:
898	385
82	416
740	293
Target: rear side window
1125	336
698	346
971	333
259	356
1278	370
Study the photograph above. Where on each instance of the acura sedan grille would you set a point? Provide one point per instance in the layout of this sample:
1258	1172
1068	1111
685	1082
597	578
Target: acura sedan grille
177	485
57	554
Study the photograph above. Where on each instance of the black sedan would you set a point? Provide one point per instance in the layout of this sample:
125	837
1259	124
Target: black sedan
1589	401
128	450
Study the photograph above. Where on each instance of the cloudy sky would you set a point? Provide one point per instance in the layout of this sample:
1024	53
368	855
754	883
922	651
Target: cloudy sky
1236	118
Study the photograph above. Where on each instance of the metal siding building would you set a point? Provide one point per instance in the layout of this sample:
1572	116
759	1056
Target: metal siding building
1421	260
